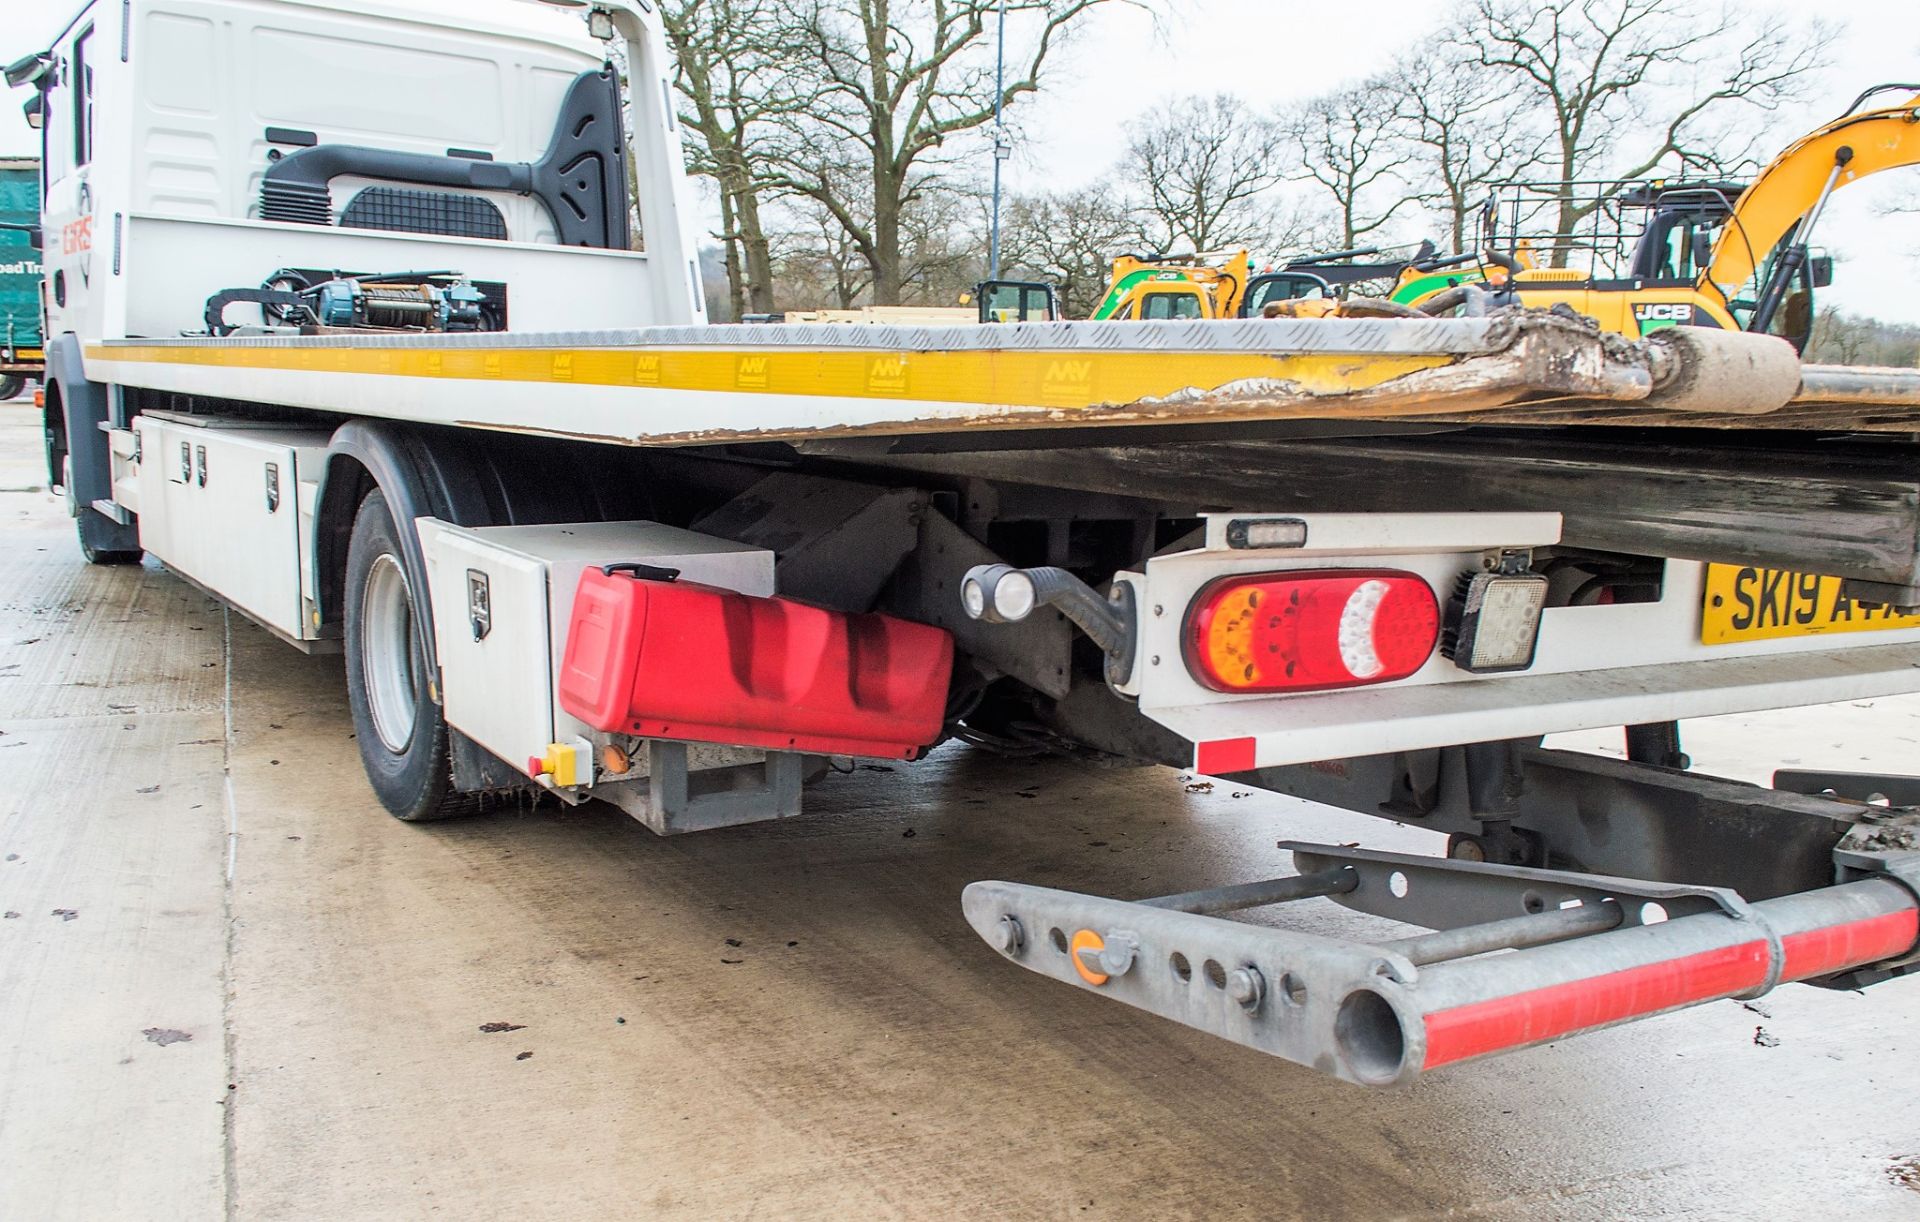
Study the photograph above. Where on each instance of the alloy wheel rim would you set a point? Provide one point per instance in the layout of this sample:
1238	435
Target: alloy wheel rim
387	652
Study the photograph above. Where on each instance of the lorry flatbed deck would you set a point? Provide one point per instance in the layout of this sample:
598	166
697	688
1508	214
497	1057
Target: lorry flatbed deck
811	381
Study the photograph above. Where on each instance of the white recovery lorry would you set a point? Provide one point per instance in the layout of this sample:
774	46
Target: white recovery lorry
383	323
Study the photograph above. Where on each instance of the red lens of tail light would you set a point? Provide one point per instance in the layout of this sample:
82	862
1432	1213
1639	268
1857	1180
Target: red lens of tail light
1310	630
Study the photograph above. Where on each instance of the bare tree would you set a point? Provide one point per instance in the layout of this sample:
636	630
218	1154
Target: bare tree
1905	203
897	80
1850	339
943	246
735	83
1464	135
1208	168
1346	144
1837	337
818	264
1068	239
1633	85
815	263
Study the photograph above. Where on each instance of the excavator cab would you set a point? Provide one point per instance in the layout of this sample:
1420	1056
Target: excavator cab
1205	285
1283	286
1172	302
1683	223
1016	301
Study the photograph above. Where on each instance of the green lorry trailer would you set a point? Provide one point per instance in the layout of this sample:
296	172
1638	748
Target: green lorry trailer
21	359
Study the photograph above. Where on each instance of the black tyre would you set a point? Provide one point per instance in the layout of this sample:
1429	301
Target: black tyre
11	384
402	736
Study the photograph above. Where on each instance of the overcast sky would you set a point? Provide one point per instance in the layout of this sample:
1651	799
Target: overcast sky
1271	51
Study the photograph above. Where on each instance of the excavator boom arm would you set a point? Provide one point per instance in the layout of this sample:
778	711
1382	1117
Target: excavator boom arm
1881	139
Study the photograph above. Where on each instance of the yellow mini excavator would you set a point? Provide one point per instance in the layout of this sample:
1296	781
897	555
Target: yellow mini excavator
1225	284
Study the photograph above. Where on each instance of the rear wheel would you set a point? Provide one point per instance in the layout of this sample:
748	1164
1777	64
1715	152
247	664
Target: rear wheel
402	735
11	384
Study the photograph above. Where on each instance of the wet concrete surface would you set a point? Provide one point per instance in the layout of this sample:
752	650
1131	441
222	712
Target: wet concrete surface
554	1013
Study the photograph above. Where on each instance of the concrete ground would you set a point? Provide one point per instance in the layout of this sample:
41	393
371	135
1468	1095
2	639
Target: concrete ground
230	984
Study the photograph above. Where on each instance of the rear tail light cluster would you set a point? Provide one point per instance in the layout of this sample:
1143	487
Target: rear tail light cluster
1310	630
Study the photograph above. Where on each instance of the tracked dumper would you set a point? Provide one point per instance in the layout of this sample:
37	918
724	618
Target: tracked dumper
408	382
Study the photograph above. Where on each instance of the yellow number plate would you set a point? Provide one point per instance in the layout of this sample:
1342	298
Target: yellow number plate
1749	604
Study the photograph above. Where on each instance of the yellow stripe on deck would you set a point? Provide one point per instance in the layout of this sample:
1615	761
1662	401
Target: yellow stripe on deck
991	376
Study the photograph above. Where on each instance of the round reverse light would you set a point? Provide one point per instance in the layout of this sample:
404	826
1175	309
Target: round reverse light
1013	595
973	598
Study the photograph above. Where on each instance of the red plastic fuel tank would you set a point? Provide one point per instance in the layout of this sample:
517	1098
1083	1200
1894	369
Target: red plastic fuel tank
679	660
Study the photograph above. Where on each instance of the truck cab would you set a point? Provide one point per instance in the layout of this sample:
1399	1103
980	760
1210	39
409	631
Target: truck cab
67	80
193	145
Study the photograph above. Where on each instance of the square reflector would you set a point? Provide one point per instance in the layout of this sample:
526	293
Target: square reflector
1493	622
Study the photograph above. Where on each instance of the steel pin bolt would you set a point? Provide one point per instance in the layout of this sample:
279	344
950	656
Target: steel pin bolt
1011	937
1246	986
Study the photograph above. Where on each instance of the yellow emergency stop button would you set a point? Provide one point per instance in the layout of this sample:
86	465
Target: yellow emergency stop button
561	762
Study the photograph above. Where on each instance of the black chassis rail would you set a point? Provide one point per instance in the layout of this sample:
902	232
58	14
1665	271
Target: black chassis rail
1616	817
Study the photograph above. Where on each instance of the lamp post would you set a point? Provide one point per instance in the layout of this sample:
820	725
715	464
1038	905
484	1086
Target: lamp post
1001	148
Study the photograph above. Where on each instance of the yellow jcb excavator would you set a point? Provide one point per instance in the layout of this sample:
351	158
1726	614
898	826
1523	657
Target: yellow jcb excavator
1710	254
